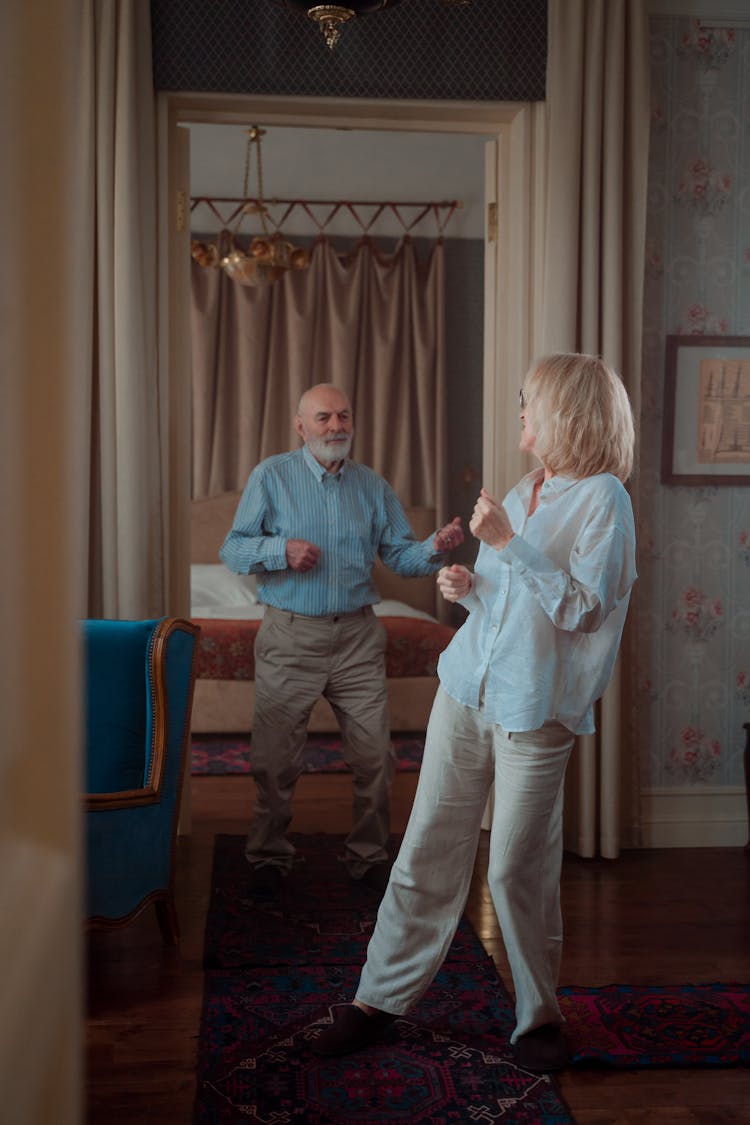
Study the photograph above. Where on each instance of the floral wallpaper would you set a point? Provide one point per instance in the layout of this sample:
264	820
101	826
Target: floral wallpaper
691	617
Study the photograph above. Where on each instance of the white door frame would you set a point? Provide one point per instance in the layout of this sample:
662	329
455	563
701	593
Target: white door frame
512	259
513	246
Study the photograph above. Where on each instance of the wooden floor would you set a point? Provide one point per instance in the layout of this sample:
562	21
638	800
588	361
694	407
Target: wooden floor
651	917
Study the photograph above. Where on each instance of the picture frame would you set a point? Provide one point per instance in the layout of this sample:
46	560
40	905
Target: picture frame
706	415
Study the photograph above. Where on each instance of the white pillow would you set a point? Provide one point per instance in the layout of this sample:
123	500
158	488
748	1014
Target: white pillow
388	608
212	585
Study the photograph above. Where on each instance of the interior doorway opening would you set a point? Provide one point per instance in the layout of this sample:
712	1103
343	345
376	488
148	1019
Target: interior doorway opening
513	238
368	169
513	159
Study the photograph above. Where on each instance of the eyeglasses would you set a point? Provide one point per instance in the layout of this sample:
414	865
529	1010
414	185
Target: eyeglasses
522	399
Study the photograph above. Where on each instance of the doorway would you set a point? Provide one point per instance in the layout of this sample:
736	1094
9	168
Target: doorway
381	185
513	160
513	233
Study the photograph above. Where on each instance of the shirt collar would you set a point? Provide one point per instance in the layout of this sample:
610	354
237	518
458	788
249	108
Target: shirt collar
552	487
315	467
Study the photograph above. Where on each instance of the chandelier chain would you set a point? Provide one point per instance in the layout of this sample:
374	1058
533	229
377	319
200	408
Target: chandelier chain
253	138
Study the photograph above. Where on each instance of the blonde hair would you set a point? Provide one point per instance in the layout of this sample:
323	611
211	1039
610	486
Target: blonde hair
582	416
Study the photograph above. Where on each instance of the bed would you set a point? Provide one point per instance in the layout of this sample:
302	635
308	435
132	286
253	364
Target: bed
225	606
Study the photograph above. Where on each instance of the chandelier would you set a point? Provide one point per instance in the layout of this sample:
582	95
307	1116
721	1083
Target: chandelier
266	257
330	18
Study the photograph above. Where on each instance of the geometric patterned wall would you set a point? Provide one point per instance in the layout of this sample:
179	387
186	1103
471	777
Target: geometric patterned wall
491	50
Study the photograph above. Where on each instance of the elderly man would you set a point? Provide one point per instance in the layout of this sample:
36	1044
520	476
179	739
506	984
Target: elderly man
310	524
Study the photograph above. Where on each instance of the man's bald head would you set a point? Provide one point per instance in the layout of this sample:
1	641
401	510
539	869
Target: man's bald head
324	421
325	394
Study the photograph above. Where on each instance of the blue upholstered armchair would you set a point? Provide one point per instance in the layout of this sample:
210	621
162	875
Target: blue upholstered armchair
139	678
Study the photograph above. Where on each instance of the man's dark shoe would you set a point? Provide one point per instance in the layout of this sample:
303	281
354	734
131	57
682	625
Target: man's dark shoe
351	1030
266	880
542	1050
376	878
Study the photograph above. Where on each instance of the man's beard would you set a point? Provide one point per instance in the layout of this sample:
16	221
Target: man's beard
329	450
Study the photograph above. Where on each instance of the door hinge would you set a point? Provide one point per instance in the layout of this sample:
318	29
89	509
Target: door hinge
492	222
181	210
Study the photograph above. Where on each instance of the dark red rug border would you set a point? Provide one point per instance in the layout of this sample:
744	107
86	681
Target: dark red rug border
220	755
642	1026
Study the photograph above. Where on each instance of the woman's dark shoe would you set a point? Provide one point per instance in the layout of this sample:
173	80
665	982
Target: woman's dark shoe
351	1030
542	1050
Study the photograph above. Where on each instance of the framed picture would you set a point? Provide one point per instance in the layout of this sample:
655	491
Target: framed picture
706	420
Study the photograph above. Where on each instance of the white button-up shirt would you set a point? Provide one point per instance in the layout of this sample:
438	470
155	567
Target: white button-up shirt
546	613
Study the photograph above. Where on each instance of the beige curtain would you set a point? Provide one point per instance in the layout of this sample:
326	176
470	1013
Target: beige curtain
597	163
128	543
370	322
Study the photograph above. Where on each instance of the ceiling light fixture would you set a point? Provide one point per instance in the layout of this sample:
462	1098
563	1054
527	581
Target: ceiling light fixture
331	18
267	256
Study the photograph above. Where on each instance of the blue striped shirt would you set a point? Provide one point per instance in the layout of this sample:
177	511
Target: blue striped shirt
352	516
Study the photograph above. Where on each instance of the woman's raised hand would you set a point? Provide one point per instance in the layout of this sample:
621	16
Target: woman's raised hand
489	522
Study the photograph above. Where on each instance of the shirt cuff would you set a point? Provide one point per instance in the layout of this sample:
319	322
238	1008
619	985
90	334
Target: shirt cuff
519	551
274	554
429	546
471	601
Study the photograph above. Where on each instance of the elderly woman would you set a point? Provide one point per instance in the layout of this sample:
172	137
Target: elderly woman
547	604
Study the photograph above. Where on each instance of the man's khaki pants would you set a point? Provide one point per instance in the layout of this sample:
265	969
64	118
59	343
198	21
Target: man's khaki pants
298	659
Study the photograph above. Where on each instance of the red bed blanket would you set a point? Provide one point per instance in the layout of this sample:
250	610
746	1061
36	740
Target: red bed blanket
227	647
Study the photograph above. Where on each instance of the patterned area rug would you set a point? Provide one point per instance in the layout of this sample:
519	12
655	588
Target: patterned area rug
321	916
274	969
224	754
682	1025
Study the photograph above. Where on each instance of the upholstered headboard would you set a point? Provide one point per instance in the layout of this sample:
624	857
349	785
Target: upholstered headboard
212	518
